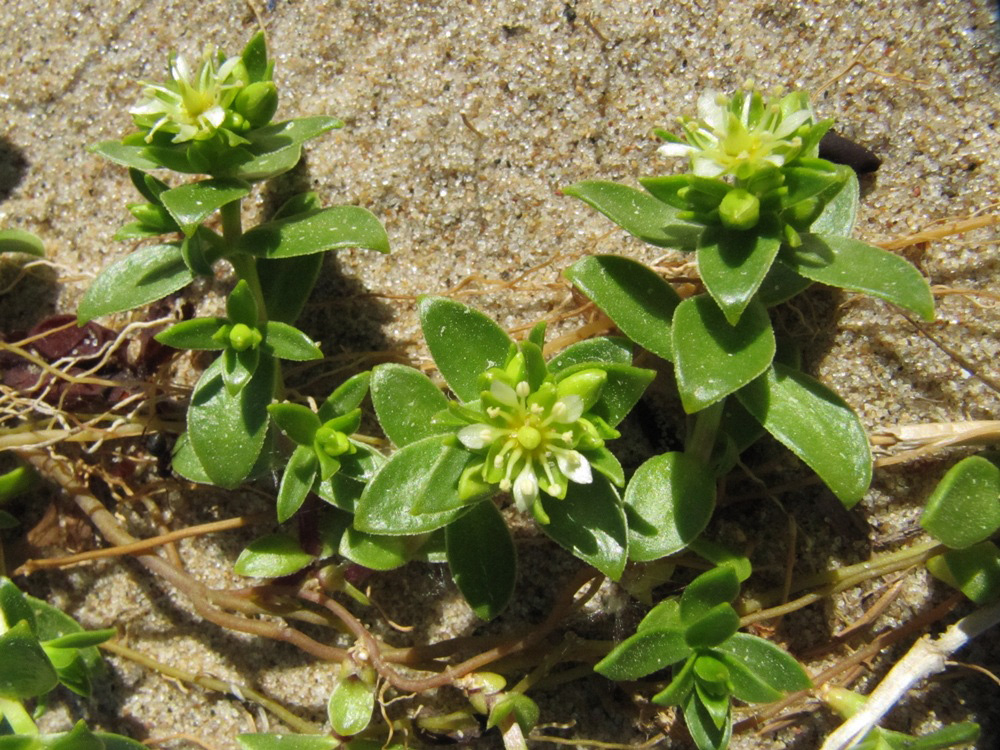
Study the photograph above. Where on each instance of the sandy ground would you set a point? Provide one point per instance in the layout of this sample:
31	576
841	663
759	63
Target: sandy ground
463	120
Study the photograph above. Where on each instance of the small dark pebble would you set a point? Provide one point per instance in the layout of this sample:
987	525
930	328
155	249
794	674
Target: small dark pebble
840	150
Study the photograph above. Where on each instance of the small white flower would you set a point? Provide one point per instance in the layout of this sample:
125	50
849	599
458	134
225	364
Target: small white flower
745	131
192	104
526	488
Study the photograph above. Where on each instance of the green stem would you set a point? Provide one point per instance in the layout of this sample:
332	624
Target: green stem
17	716
244	264
701	441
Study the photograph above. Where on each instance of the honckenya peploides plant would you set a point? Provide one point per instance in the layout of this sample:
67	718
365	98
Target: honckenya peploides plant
513	441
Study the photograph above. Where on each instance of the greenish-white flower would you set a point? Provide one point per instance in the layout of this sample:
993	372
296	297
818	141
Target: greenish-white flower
194	103
535	441
740	134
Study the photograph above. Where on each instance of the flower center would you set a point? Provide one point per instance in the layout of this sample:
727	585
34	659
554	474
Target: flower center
529	437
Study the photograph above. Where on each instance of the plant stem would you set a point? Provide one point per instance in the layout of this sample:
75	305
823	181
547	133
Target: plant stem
244	264
240	691
701	441
17	716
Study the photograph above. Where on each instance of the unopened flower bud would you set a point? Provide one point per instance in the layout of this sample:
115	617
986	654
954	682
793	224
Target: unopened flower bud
586	384
243	337
257	103
740	209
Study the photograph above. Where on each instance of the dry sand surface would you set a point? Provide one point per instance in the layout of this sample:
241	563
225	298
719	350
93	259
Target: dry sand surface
463	120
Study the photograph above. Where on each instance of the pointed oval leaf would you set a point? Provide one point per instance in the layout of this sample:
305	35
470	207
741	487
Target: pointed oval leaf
288	342
464	343
422	473
328	229
405	402
350	706
644	653
297	421
19	241
668	502
524	709
191	204
701	724
297	480
374	551
746	684
713	358
281	135
14	605
227	431
27	671
193	334
482	559
713	587
637	212
137	157
860	267
816	425
975	571
602	349
964	508
767	661
590	524
82	639
272	556
143	276
680	687
635	297
286	284
780	285
713	627
840	214
346	397
733	265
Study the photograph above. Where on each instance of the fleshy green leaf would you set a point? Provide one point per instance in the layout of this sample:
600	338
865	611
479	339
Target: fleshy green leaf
602	349
464	343
482	559
975	571
282	135
295	420
638	213
351	704
288	342
841	212
346	397
286	284
589	523
263	741
255	57
713	587
191	204
14	605
713	358
965	506
405	402
525	711
733	265
19	241
272	556
143	276
854	265
375	551
707	735
713	627
780	285
137	157
766	661
227	431
643	653
635	297
297	480
746	684
27	671
668	503
328	229
81	639
193	334
945	737
680	687
425	472
816	425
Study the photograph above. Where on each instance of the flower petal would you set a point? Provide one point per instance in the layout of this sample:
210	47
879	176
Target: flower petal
477	436
574	466
525	488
